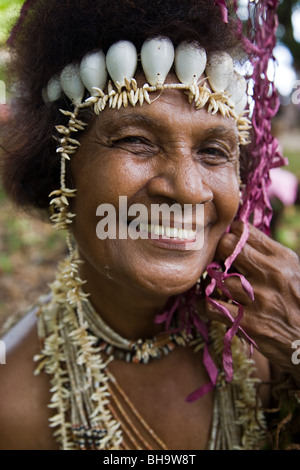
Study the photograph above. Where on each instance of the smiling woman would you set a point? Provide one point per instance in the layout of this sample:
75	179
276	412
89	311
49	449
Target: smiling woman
165	153
143	114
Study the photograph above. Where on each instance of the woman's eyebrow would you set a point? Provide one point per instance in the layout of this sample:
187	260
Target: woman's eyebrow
124	119
228	133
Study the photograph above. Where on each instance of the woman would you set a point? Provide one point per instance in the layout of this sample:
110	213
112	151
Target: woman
128	346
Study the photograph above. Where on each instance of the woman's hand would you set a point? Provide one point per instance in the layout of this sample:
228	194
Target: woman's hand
272	320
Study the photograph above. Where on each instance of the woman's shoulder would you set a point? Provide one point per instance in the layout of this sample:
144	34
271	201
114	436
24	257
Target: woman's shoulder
23	395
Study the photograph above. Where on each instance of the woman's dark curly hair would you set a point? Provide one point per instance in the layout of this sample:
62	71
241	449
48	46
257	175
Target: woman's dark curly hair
55	33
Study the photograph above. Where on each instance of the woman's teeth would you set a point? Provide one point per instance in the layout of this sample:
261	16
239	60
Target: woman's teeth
170	232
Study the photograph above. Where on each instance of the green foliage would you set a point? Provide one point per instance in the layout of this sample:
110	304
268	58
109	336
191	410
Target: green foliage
294	162
9	11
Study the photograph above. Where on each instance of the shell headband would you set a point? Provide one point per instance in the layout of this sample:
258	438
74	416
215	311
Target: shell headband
157	58
228	94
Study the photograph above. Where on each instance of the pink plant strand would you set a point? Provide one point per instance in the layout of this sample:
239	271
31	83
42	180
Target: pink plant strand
223	9
264	149
259	43
185	306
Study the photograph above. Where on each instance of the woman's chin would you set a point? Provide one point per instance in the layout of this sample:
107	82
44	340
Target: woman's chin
166	286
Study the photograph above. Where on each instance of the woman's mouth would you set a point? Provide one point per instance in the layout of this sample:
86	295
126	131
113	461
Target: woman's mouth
172	238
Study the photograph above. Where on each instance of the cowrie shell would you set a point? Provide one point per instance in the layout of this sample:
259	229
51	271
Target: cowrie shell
157	56
72	84
121	61
219	70
190	62
93	71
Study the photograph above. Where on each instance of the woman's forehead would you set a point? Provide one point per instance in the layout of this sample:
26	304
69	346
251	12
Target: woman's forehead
168	109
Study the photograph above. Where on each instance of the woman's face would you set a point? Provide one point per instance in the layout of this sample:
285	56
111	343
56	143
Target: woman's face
164	153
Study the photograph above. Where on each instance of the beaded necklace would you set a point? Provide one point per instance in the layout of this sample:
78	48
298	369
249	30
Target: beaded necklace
138	351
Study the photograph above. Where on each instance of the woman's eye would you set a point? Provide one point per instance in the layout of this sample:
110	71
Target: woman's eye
135	144
213	156
131	140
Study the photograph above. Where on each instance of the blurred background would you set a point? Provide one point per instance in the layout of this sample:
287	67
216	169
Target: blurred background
30	249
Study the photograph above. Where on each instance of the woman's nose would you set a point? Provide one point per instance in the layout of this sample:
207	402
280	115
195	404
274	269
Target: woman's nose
180	179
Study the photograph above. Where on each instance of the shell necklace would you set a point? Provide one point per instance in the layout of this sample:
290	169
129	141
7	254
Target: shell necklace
138	351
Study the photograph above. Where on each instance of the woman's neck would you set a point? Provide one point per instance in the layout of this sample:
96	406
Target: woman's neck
129	312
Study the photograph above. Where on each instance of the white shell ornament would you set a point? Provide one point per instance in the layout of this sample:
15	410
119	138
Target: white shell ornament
241	105
72	84
157	56
219	70
190	62
237	88
93	71
121	61
54	89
